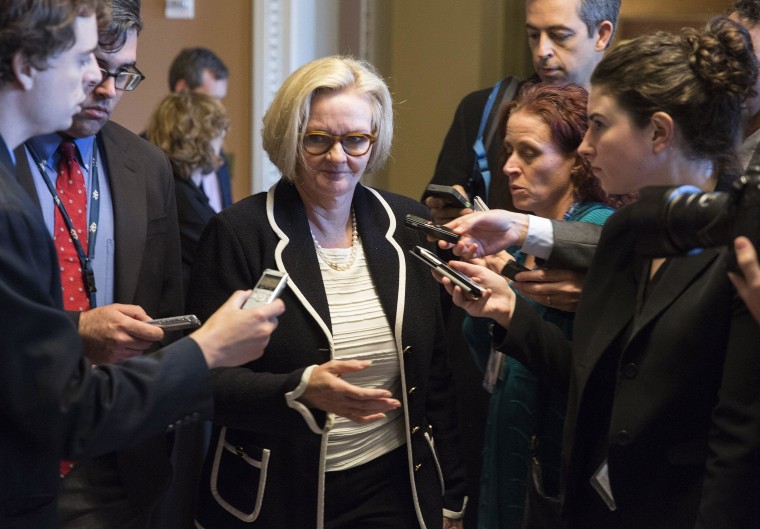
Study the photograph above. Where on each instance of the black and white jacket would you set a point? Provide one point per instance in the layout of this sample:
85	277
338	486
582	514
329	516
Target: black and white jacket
265	466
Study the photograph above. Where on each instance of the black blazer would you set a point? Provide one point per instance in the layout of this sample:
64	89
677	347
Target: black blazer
52	404
457	159
668	393
193	212
147	268
274	478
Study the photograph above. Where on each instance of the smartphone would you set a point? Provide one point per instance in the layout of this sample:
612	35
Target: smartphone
458	278
512	268
450	196
268	287
434	230
177	323
478	204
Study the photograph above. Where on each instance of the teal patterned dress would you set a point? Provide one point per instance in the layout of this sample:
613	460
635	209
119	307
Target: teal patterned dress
521	405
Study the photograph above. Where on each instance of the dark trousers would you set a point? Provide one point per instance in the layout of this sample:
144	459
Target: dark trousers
375	495
93	497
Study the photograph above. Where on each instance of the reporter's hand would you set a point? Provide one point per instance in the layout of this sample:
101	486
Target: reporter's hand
558	289
748	286
328	392
487	233
233	336
116	332
451	523
493	262
497	303
442	213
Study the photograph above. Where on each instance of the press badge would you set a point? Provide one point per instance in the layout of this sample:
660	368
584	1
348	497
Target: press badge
494	369
601	483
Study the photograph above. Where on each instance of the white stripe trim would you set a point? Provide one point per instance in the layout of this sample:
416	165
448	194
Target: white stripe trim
400	306
311	422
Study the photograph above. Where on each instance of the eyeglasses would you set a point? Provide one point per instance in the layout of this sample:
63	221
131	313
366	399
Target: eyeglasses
354	143
124	80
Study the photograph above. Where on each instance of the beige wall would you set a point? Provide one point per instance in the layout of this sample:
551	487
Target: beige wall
432	52
225	27
440	51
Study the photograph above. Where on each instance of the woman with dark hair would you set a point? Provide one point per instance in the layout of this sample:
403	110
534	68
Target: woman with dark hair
663	419
190	128
544	127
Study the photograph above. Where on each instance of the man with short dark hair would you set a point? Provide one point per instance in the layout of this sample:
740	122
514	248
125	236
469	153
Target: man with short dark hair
53	403
567	39
133	250
201	70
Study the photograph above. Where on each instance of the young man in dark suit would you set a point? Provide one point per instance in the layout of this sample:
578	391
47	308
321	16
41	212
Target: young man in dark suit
136	267
53	403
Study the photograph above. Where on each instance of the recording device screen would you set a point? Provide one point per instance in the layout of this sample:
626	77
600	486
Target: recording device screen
269	286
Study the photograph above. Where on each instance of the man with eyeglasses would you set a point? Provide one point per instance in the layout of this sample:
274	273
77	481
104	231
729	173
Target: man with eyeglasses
133	256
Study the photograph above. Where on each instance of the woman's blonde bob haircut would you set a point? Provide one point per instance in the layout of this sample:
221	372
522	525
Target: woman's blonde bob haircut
284	123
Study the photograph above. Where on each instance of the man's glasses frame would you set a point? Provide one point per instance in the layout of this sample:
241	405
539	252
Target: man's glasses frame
353	143
124	80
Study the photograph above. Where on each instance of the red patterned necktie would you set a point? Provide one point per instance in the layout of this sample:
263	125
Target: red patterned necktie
73	195
71	190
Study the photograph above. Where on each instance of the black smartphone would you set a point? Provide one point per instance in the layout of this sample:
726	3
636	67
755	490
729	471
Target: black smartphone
512	268
177	323
458	278
268	287
450	196
434	230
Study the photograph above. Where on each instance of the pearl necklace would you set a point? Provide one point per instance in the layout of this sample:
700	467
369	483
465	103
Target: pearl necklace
340	267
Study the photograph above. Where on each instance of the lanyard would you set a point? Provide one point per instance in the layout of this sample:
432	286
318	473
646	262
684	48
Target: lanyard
93	208
479	147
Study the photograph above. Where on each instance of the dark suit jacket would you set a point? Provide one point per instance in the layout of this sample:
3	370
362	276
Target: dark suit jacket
252	412
194	212
147	267
456	160
668	393
225	181
52	404
574	245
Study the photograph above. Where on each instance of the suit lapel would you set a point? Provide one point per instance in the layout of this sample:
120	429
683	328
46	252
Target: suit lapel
24	174
680	273
126	178
299	259
373	224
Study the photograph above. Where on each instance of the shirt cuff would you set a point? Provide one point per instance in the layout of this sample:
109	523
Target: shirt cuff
291	399
540	238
